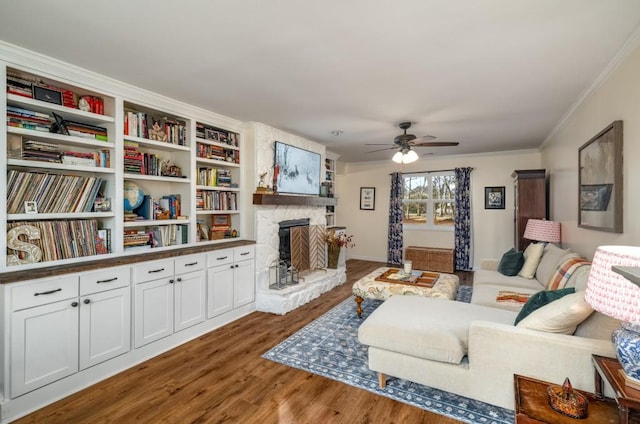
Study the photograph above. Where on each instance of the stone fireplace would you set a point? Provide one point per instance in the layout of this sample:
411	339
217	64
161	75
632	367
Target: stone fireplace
268	249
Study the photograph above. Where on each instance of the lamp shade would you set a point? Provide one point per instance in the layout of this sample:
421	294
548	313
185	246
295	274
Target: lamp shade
397	158
609	292
542	230
410	156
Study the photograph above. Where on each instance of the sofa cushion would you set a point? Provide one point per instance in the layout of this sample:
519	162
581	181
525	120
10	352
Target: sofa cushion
551	256
511	263
560	316
540	299
597	326
532	255
564	271
483	276
429	328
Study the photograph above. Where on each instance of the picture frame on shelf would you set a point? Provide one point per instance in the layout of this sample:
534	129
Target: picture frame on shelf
494	197
59	126
31	207
600	181
367	198
220	222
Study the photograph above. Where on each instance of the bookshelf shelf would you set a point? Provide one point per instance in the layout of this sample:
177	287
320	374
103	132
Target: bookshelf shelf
215	188
176	180
65	112
64	139
201	212
47	216
216	143
157	145
216	163
155	222
58	166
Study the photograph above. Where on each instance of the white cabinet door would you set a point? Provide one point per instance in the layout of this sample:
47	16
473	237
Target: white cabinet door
105	326
153	311
219	290
44	345
244	290
189	292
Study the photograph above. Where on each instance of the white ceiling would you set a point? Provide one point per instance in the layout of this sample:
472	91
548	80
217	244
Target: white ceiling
491	74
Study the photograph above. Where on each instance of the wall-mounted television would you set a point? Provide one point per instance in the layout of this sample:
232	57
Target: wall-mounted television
298	170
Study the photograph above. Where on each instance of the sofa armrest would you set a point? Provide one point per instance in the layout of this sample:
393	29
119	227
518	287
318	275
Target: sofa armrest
490	264
498	351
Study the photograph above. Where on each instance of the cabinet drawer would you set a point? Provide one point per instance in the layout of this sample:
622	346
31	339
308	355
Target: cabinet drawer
45	291
242	253
149	271
105	279
189	263
220	257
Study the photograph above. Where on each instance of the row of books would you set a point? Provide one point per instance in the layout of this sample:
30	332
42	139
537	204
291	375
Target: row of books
52	193
208	151
26	85
66	239
216	200
153	127
143	163
210	133
157	236
48	152
213	177
80	129
24	118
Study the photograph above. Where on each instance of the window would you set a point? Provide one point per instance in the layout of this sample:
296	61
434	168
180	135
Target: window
428	200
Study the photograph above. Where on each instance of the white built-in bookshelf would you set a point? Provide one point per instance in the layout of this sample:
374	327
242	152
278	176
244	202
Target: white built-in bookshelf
68	182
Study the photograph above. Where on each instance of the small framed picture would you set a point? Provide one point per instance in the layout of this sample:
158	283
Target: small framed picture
494	197
30	207
102	204
367	198
221	221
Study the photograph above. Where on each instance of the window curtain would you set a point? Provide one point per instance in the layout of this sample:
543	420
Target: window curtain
462	227
394	251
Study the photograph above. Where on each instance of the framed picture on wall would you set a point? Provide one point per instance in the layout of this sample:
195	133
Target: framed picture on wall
367	198
494	197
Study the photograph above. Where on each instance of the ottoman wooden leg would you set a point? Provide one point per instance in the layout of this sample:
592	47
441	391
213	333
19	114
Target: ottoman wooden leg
382	380
358	300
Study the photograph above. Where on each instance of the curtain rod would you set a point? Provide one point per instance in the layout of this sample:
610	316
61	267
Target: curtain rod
426	172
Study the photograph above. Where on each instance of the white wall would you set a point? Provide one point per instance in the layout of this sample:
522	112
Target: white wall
617	98
492	229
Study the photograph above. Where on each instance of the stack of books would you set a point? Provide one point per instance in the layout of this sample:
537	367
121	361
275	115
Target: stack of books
133	159
41	151
28	119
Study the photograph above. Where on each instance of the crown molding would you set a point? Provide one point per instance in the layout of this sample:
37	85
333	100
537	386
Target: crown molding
55	69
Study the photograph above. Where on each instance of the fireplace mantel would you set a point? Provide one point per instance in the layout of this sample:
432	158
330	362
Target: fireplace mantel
284	199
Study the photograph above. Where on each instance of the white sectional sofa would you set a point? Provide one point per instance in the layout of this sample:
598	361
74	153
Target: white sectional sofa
474	349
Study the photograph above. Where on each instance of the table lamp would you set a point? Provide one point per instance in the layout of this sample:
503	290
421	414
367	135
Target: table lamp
612	294
542	230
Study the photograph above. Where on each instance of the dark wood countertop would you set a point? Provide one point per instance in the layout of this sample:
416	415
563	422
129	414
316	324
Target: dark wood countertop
112	260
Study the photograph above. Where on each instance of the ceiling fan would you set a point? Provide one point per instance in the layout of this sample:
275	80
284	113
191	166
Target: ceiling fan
406	142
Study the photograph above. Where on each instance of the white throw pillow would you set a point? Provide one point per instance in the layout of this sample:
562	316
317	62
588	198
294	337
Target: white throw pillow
532	255
560	316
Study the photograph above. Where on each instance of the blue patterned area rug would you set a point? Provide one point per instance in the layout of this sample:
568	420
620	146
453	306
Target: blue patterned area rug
329	347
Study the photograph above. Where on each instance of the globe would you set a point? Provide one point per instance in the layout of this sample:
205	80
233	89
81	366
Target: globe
133	196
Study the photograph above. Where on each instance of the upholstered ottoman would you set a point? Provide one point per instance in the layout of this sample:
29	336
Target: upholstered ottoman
445	287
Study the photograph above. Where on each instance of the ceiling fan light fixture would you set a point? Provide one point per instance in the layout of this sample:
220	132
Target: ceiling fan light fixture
405	156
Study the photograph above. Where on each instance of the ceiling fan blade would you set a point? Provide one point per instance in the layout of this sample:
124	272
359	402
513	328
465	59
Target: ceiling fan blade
425	138
386	148
378	144
436	144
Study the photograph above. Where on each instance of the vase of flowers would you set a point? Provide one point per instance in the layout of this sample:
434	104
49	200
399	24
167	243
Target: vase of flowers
335	242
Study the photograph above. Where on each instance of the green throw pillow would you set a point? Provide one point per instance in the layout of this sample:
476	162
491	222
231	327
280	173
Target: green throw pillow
540	299
511	263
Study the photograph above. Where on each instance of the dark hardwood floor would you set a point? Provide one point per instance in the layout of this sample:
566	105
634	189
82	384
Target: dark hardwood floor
221	377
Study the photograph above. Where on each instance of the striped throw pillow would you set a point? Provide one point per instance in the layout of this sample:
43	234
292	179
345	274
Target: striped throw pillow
563	272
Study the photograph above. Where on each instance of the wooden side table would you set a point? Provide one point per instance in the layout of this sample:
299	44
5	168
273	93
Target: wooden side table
626	397
532	405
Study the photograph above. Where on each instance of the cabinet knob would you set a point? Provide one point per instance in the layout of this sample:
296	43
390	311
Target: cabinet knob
171	281
179	279
74	304
87	301
237	265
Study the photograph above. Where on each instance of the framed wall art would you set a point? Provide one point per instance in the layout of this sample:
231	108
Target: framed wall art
367	198
600	181
494	197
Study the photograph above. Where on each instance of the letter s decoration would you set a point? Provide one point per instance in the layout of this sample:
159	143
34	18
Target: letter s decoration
33	253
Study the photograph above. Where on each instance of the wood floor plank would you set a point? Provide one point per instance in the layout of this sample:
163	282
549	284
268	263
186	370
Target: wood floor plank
221	377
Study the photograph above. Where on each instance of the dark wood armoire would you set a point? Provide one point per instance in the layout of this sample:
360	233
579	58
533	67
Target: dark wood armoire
531	200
